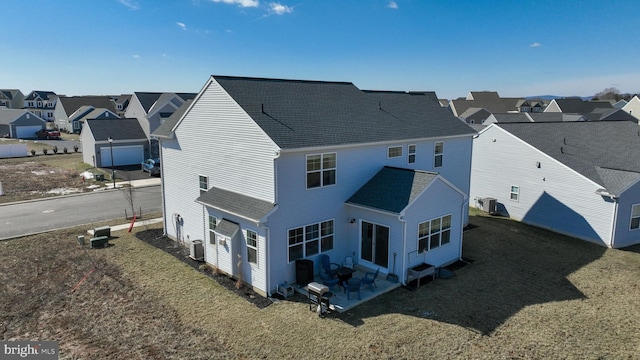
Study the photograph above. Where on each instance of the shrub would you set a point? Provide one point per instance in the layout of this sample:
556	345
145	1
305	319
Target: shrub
55	149
75	148
45	151
65	150
33	152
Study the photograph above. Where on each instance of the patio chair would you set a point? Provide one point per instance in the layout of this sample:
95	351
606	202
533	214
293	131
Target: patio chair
348	262
331	269
329	281
353	284
370	279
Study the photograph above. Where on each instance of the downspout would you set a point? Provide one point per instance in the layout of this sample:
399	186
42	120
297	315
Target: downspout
615	222
162	190
466	203
404	248
268	256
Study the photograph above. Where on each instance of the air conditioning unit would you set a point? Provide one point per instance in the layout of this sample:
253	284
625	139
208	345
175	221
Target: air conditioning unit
490	205
196	250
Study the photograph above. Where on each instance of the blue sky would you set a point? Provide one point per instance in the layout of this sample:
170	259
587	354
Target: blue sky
518	48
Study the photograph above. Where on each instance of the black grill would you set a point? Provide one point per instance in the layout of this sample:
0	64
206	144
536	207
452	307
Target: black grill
319	298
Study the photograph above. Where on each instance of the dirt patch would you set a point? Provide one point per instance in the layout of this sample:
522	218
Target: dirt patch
156	238
33	180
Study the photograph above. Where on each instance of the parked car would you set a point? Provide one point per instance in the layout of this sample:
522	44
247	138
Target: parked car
48	134
152	166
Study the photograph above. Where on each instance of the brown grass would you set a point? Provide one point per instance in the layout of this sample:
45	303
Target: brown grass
528	293
31	178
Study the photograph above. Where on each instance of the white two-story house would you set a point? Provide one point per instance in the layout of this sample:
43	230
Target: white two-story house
267	172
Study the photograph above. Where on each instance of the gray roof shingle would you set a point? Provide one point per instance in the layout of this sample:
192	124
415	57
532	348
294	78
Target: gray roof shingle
298	114
117	129
392	189
235	203
165	129
587	147
73	103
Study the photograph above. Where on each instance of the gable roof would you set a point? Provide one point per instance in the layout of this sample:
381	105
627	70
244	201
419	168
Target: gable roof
73	103
236	204
99	113
148	99
9	116
299	114
9	93
579	106
118	129
392	189
587	147
489	100
512	118
165	129
44	95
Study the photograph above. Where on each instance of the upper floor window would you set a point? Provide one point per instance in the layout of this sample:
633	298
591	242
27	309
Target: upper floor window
252	247
411	157
438	151
635	217
434	233
204	183
213	223
515	193
394	151
321	170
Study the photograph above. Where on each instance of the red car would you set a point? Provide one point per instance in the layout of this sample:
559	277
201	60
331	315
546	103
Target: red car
48	134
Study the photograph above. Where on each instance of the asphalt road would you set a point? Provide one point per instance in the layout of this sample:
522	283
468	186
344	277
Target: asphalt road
61	212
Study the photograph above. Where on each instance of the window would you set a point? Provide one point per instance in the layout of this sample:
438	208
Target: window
321	170
204	184
310	240
252	247
438	150
76	125
394	151
213	222
434	233
515	193
635	217
411	154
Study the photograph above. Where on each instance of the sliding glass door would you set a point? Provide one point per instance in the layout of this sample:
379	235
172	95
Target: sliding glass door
374	244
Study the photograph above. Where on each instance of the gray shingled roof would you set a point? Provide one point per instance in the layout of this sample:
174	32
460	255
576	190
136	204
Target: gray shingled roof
9	116
588	148
546	116
227	228
579	106
45	95
235	203
298	114
73	103
147	99
392	189
118	129
164	130
512	118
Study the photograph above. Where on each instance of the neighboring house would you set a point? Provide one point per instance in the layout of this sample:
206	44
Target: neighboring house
475	115
507	118
19	124
530	105
129	143
619	104
89	113
267	172
613	114
122	102
576	106
633	107
576	178
11	98
489	100
41	103
69	107
152	109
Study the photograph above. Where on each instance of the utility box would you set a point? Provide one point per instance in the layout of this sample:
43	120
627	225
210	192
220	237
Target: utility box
197	250
490	205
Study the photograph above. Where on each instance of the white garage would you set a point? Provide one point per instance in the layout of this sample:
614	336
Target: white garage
122	155
27	131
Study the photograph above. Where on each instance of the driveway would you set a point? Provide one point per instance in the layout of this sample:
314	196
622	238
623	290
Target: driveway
129	172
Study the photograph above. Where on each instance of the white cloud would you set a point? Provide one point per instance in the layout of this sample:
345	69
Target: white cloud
241	3
136	56
182	25
131	4
535	44
279	9
392	5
